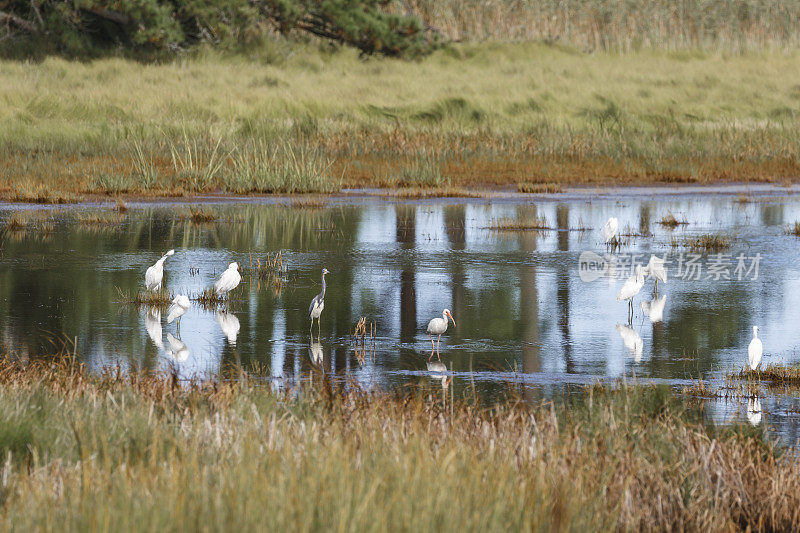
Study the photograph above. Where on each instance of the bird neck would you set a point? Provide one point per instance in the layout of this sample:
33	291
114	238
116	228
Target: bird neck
324	286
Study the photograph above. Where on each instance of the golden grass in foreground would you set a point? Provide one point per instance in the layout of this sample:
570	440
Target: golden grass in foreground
141	452
474	114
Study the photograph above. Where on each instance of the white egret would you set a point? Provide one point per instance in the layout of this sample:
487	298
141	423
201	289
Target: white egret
229	325
180	304
177	349
152	323
610	229
229	280
318	304
754	411
155	274
654	309
631	288
655	270
632	341
755	350
437	326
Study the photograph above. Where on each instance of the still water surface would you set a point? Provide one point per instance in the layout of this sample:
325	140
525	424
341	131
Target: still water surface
523	312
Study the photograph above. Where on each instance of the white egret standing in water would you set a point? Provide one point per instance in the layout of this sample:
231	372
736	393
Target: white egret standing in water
610	229
655	270
180	304
755	350
155	274
632	341
228	281
229	325
318	304
630	289
437	326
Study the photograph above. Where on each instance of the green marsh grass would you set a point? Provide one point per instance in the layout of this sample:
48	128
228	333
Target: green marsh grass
473	114
84	449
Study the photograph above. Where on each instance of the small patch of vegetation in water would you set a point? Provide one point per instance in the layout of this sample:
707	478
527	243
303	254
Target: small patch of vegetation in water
670	221
794	229
513	224
775	373
538	188
144	298
705	243
209	299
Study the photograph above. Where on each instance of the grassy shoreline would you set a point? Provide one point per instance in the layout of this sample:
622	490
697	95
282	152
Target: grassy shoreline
83	450
297	119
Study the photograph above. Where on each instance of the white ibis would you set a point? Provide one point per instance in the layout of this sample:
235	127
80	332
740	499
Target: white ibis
180	304
655	270
317	304
755	350
610	229
229	325
152	323
437	326
654	309
631	288
155	274
228	281
177	349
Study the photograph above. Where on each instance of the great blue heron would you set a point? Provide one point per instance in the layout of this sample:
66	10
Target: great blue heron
755	350
317	304
437	326
180	304
630	289
609	230
228	281
155	274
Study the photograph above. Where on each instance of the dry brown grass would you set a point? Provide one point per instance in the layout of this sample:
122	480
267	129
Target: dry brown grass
513	224
669	221
92	449
538	188
794	229
707	243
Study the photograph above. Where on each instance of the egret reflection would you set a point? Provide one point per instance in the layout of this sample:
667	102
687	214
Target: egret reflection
177	349
152	323
654	309
178	308
229	325
632	341
754	411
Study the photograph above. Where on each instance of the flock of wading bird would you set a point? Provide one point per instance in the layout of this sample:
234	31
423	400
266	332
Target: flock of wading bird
230	279
654	269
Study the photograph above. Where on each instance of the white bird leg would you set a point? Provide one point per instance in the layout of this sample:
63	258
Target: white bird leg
433	346
438	342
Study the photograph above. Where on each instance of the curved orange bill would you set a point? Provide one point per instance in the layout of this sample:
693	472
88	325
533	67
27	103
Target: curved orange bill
451	318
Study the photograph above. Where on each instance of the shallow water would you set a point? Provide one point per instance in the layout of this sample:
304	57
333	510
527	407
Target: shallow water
526	318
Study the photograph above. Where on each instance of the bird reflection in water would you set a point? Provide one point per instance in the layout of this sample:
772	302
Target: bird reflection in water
754	411
654	309
632	341
229	325
178	350
152	323
315	354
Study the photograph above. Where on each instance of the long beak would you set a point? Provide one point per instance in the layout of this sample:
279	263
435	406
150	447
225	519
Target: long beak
451	318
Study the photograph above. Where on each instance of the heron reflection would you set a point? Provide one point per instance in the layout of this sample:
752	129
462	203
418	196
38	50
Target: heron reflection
177	349
152	323
229	325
